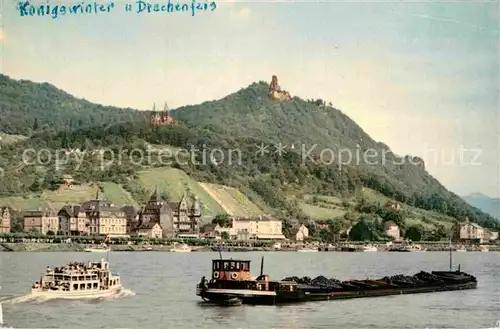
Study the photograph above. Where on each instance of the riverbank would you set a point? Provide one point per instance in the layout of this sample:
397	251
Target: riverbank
73	247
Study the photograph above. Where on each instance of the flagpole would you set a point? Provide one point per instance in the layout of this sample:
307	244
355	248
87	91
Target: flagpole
108	248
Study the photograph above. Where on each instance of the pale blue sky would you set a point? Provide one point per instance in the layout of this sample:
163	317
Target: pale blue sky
416	76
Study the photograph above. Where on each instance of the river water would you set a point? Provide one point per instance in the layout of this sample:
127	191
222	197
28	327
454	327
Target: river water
161	293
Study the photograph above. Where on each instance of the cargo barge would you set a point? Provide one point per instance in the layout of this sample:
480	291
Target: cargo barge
233	284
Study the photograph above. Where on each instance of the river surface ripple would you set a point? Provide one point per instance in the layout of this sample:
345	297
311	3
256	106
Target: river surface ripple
161	292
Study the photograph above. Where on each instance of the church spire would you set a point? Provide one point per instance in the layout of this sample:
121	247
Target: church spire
154	196
166	108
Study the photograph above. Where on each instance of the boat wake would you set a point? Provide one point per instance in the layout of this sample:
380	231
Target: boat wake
31	298
122	293
497	326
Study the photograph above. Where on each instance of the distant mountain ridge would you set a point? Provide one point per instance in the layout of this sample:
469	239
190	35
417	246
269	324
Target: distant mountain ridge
485	203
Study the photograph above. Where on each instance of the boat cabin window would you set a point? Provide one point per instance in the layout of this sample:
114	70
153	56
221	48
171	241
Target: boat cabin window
95	285
231	265
287	287
82	286
89	285
75	286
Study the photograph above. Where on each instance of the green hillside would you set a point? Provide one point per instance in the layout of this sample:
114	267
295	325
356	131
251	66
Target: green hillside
233	201
305	123
284	185
325	207
310	126
170	182
77	194
35	107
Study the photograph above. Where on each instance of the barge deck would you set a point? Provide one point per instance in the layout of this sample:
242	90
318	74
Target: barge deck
231	279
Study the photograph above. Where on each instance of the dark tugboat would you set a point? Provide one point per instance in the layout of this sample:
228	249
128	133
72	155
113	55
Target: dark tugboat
232	284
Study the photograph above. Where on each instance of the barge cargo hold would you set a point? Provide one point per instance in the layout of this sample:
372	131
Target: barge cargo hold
231	279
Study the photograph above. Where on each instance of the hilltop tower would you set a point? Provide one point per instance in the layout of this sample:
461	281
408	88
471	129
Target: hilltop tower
163	118
275	92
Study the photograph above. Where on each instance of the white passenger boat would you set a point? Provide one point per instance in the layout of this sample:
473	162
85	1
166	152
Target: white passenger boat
416	248
102	248
485	249
78	280
407	248
182	247
369	248
461	249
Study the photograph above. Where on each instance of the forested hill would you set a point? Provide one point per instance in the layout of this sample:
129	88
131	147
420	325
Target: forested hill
26	106
249	112
279	180
239	121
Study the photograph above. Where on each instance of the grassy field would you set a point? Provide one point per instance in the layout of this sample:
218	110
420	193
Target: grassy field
324	198
117	194
232	200
19	203
7	139
321	213
74	195
322	207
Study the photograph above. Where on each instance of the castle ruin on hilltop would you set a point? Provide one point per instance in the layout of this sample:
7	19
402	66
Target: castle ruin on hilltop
161	118
275	92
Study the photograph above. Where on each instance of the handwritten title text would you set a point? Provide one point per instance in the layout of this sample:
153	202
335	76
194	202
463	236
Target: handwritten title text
29	9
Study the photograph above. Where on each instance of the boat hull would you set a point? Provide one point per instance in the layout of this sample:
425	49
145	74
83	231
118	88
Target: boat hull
97	250
304	296
76	294
306	293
